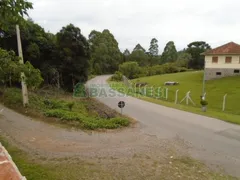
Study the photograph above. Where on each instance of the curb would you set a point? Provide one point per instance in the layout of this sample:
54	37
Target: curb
5	154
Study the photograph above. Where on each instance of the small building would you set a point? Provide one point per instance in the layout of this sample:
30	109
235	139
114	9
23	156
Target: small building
222	61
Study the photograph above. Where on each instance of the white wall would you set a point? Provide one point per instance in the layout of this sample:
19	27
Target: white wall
221	62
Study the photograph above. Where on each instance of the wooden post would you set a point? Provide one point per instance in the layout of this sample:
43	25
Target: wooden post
224	102
166	93
23	78
176	97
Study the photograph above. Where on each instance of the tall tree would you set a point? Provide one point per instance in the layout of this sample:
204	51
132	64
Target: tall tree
12	11
195	49
126	55
138	47
183	59
140	57
169	54
74	56
153	49
126	52
153	52
39	47
105	53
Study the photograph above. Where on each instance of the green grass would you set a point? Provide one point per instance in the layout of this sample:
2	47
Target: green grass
192	81
87	122
75	112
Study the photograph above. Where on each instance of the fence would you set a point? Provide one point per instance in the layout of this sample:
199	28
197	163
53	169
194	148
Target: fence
217	100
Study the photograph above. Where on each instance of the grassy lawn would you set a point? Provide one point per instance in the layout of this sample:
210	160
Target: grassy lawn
137	167
192	81
52	107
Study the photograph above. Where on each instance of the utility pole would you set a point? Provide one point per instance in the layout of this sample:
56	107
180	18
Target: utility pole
23	78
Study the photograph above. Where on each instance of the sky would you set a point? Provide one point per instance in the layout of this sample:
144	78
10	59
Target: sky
138	21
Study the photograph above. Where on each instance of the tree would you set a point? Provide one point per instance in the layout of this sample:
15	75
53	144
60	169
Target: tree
129	69
139	56
39	47
9	67
169	54
74	56
183	59
105	53
153	49
126	55
126	52
138	47
33	76
195	49
153	52
12	11
10	70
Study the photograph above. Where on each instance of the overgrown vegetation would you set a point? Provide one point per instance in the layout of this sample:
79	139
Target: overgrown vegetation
10	70
82	113
132	70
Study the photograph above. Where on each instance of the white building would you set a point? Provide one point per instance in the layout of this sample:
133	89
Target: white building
222	61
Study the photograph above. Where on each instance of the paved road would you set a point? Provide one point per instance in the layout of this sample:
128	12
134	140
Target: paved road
210	140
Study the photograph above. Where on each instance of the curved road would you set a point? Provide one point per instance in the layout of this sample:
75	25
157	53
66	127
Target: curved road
210	140
159	131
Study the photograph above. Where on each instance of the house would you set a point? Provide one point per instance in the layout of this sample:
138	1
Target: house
222	61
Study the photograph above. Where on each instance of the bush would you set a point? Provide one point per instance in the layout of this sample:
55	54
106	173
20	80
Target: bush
170	68
112	123
53	104
64	115
130	69
70	105
117	76
12	97
88	122
183	69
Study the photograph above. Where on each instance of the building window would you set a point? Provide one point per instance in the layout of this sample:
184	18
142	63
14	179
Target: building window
228	60
236	71
218	73
214	59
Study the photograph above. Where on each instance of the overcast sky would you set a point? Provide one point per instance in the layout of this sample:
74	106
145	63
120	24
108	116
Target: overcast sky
138	21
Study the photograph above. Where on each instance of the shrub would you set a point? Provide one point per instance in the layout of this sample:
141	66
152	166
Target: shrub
53	104
112	123
129	69
183	69
70	105
170	68
117	76
160	69
88	122
64	115
12	97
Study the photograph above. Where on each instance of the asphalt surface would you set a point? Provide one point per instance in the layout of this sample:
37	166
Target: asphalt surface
210	140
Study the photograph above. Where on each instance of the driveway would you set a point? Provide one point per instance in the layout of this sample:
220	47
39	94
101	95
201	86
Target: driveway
210	140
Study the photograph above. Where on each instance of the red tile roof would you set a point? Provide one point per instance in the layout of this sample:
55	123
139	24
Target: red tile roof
8	170
229	48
